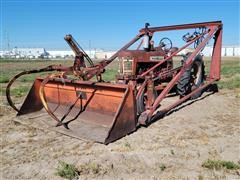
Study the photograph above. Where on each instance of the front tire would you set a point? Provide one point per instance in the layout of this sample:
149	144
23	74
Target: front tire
141	101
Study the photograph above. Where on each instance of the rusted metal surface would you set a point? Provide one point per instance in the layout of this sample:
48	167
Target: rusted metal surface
216	56
169	57
183	26
146	116
111	108
104	112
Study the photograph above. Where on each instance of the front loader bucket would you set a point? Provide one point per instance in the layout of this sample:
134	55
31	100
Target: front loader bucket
98	112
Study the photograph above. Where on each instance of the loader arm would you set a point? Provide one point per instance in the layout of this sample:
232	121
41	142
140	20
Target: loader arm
86	73
78	50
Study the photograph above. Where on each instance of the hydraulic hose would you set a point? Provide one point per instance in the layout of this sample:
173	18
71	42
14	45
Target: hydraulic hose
45	104
42	97
8	89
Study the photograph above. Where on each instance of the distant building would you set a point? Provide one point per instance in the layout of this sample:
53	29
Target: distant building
231	51
185	51
104	54
60	54
207	51
34	53
226	51
68	53
30	52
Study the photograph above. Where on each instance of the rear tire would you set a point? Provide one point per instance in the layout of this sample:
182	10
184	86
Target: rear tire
192	78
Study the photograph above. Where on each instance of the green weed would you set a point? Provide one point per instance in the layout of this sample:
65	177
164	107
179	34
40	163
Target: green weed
162	167
219	164
127	145
68	171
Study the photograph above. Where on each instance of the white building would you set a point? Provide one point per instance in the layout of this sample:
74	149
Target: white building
207	51
24	53
104	54
231	51
29	52
68	53
226	51
32	53
60	54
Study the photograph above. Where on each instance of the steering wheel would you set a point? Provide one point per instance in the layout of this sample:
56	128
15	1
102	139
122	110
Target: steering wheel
165	43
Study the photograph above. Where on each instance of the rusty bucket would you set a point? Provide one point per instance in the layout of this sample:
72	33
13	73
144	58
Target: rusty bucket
99	112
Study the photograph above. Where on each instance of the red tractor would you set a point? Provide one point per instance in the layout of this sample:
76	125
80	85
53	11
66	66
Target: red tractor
102	111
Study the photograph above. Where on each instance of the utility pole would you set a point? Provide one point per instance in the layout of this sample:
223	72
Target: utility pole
8	42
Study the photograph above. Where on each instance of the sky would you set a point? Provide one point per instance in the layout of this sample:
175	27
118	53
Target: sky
106	24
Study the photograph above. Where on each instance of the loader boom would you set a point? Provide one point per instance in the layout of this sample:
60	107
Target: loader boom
77	49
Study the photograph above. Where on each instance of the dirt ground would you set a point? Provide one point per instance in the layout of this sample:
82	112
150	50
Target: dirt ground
173	147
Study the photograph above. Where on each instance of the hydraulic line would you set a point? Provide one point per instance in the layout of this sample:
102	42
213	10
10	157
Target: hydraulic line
77	49
84	53
42	96
8	92
45	105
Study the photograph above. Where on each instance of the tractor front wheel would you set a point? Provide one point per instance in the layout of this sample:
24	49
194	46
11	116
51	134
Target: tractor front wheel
142	100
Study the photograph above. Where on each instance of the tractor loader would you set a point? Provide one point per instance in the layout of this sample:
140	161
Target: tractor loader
78	102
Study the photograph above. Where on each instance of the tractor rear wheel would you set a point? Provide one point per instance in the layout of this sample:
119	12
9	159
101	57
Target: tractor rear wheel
192	78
